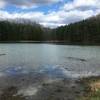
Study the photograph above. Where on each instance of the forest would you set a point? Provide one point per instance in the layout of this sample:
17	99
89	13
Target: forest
83	32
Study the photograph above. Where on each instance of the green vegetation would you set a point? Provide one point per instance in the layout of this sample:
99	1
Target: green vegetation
83	32
95	96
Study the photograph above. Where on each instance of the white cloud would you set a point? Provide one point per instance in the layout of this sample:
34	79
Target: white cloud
68	13
2	3
52	19
82	4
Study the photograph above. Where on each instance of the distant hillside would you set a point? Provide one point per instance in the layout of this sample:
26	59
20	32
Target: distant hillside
83	32
17	31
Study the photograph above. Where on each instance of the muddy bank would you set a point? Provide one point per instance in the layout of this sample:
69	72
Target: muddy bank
49	89
48	83
37	86
65	89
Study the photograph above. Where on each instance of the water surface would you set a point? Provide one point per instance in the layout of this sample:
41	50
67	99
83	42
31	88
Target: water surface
57	60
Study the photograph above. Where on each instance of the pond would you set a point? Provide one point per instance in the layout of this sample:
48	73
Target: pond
46	71
72	61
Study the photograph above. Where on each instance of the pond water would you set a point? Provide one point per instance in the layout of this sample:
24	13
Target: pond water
53	60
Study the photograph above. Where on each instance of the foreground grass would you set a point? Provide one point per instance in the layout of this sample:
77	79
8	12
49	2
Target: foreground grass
93	88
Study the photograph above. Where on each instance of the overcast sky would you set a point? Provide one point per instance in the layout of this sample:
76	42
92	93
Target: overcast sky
50	13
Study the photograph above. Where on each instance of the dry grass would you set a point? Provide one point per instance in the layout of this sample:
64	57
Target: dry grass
95	86
94	89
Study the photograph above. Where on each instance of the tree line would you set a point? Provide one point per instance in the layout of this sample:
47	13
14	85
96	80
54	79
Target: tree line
83	32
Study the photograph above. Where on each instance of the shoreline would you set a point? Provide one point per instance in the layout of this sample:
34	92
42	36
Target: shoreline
53	42
40	88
